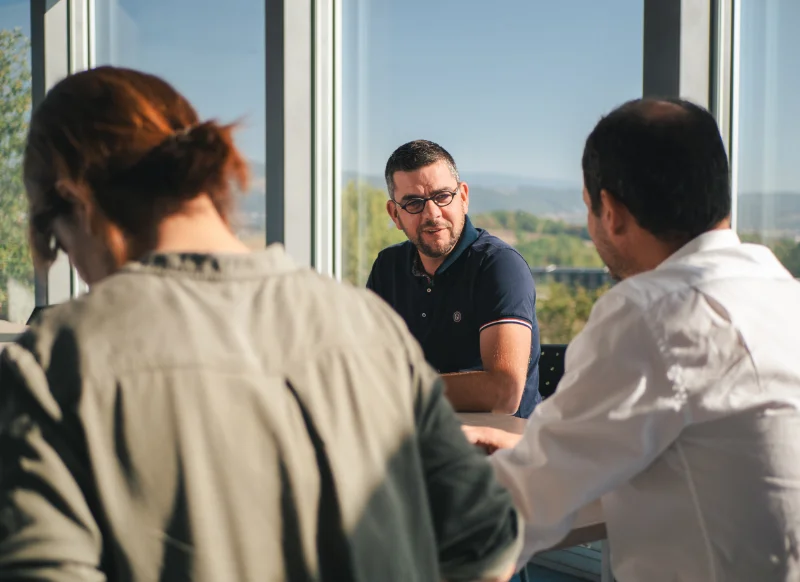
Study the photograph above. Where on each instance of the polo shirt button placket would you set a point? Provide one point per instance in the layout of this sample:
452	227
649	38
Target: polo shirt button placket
428	290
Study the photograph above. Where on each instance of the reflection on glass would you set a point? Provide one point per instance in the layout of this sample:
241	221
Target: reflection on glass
212	52
16	267
511	90
768	172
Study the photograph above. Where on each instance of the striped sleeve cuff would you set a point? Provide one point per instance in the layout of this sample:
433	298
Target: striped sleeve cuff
517	320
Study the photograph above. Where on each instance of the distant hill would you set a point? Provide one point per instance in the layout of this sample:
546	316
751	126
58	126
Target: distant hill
547	202
778	213
550	201
501	192
255	199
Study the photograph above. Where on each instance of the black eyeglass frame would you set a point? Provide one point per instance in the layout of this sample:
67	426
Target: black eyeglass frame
441	198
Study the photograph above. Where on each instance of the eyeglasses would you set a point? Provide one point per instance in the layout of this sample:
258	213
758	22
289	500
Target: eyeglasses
416	205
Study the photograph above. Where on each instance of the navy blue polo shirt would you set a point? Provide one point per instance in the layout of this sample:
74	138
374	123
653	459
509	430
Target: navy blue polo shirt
482	282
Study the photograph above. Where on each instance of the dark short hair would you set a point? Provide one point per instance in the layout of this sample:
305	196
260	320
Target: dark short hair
665	160
415	155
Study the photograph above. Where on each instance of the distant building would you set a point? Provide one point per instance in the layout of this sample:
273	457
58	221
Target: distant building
572	276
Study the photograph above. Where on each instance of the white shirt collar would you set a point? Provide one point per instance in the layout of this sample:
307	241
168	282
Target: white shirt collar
708	241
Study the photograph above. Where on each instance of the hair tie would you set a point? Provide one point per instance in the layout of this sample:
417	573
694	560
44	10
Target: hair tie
181	134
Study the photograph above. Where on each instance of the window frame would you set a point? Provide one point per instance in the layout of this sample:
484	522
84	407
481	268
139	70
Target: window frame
59	46
689	49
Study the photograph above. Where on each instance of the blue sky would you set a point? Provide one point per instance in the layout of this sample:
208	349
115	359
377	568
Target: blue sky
509	87
210	50
512	86
15	14
770	96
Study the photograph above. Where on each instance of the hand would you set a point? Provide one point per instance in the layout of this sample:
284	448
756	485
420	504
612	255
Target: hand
491	439
505	576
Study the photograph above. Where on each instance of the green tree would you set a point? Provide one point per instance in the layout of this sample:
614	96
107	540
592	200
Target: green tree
788	253
15	107
521	221
561	249
562	310
787	250
366	230
542	241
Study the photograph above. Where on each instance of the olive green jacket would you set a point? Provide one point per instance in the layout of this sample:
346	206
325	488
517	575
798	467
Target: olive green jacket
236	417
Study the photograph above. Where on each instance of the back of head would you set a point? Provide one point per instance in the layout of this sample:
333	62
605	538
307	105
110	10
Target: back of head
130	146
666	162
414	155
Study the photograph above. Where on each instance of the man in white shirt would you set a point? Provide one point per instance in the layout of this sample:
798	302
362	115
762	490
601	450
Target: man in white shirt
680	404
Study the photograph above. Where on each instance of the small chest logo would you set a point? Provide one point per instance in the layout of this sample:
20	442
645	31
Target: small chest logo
457	316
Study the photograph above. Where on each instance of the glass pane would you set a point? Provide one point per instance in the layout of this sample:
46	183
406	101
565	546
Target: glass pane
16	267
214	53
511	90
768	172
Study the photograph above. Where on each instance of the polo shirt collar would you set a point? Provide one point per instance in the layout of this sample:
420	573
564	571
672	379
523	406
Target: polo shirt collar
468	236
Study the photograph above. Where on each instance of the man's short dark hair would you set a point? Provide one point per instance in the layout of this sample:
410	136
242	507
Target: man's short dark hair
664	159
415	155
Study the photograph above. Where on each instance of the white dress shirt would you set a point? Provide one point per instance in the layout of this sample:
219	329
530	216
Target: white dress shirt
680	410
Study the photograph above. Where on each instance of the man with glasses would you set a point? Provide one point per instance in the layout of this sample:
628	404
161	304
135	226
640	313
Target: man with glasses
467	296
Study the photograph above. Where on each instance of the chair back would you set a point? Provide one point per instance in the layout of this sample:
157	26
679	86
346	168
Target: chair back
551	368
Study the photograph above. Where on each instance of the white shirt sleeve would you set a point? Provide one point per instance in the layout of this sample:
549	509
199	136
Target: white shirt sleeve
614	411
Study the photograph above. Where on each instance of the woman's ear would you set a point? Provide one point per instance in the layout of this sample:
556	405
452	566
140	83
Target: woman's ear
99	244
78	199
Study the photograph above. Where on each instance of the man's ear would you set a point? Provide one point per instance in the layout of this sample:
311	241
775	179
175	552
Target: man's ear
614	214
391	209
465	196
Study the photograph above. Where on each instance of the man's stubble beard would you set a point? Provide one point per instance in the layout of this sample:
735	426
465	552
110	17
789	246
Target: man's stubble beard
434	253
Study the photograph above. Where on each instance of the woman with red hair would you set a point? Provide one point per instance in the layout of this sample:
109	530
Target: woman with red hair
206	412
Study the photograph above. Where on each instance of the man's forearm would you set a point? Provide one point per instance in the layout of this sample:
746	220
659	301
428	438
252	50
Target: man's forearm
482	392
